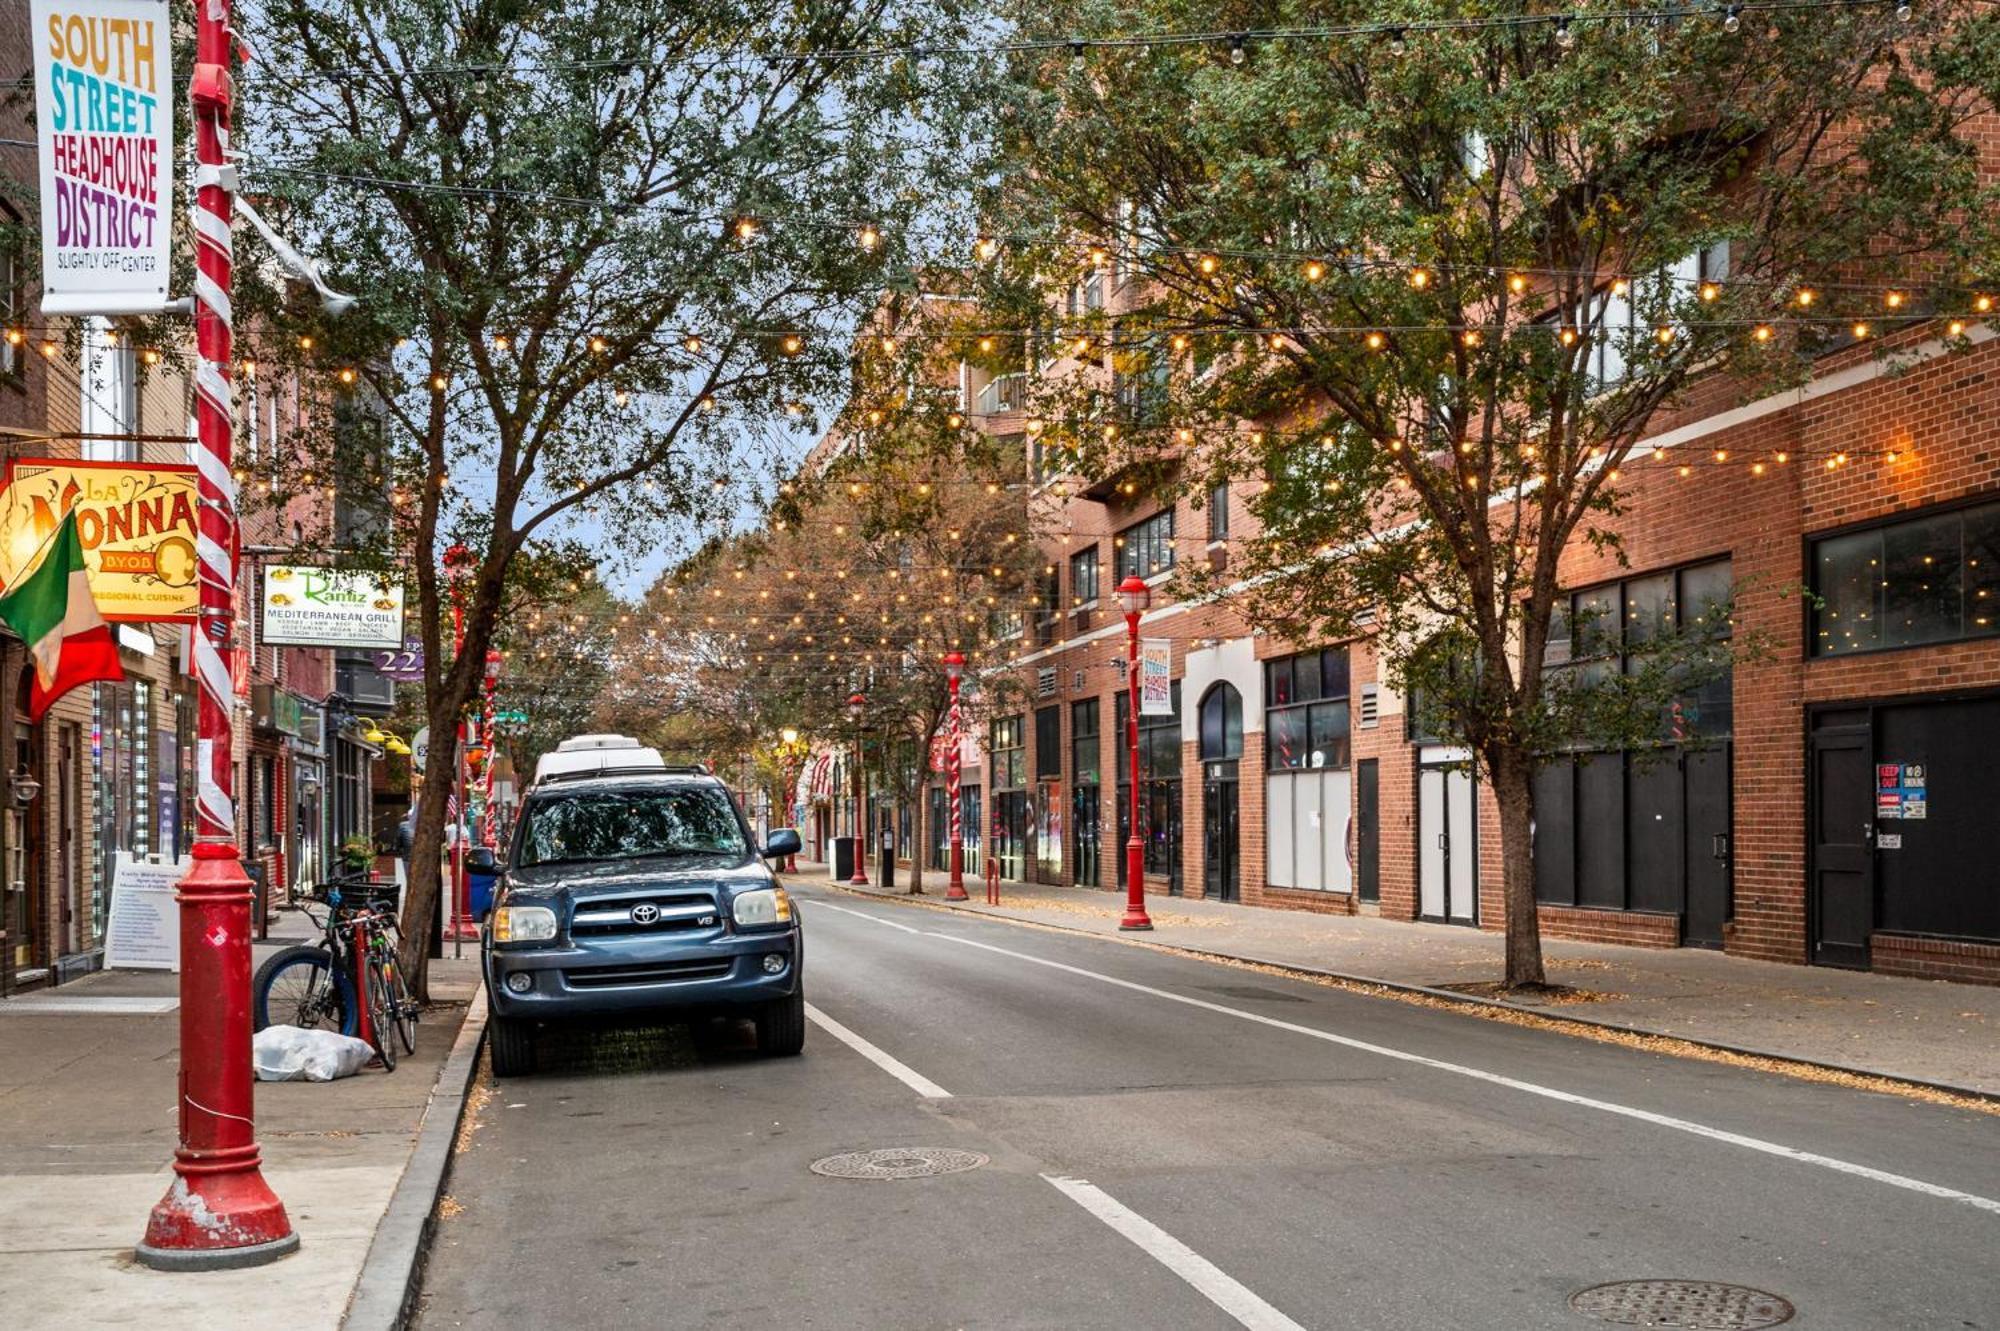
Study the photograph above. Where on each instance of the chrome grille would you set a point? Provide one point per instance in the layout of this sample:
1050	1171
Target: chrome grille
672	912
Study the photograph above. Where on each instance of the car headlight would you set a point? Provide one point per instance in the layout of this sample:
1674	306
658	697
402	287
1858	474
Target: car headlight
523	924
765	906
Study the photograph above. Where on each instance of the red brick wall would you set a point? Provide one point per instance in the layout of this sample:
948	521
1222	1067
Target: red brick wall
1935	958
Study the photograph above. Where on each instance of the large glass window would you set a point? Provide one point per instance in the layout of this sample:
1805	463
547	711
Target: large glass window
1147	547
1048	741
1159	785
1928	579
1218	512
1604	631
1009	753
1083	577
1305	711
1222	724
1086	759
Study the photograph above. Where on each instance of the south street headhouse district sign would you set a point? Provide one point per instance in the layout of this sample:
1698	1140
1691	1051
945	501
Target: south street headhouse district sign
324	607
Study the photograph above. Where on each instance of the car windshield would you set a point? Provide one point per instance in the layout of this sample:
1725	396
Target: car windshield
619	824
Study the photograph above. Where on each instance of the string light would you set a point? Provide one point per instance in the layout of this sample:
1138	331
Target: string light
868	238
1732	19
1564	37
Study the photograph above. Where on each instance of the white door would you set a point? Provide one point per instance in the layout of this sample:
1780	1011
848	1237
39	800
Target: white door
1461	851
1431	864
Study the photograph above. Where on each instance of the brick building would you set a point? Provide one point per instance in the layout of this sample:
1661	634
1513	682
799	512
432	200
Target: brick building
1801	831
109	768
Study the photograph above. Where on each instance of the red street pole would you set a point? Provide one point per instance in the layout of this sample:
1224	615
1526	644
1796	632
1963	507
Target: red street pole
855	705
954	667
1134	594
457	560
219	1211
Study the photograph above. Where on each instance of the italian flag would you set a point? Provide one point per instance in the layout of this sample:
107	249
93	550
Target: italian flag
51	609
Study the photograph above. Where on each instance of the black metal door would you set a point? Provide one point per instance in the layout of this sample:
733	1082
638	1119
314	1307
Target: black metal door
1707	850
1083	824
1841	815
1368	830
1219	831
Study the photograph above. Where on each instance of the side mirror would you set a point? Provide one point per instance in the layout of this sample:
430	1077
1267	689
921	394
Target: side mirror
482	860
784	841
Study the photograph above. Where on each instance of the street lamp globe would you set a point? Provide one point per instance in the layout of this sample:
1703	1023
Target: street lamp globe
789	736
856	705
1134	595
954	666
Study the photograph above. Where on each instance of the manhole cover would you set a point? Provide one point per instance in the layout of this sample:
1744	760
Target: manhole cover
1705	1305
905	1162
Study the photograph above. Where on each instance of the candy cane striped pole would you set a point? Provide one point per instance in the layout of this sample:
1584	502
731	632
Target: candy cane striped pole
218	1212
954	666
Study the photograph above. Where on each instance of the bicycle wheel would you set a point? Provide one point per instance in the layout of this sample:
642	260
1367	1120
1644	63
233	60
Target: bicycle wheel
379	1019
402	1005
300	986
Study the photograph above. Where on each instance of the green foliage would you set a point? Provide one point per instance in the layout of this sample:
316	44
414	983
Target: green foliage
1426	304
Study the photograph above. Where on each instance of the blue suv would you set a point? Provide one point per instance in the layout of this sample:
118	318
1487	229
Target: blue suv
633	895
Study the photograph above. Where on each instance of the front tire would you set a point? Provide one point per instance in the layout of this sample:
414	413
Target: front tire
513	1044
781	1026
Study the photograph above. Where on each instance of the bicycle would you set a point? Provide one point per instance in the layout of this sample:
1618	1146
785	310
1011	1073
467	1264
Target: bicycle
325	986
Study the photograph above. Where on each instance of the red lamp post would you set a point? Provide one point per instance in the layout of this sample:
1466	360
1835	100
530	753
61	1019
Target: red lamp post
954	670
1134	596
218	1211
856	706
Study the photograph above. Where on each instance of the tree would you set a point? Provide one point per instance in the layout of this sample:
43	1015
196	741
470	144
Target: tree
599	249
910	537
1434	281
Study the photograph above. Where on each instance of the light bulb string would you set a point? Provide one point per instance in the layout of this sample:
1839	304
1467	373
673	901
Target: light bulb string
1101	255
1228	40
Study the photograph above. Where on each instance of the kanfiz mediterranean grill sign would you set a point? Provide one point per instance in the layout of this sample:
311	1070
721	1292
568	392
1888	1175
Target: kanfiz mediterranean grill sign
104	118
325	607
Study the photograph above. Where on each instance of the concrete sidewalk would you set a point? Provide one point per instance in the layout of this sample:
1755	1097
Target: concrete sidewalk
87	1133
1916	1030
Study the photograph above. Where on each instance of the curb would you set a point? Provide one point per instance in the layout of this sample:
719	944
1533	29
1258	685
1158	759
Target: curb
394	1267
1449	996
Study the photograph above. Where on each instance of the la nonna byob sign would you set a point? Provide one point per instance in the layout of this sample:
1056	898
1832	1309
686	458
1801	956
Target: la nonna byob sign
326	607
104	128
136	522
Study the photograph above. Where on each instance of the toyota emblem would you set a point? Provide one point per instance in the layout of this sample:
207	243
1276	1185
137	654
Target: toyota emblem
645	913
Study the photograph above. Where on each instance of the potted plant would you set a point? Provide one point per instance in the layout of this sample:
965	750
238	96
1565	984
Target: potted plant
357	854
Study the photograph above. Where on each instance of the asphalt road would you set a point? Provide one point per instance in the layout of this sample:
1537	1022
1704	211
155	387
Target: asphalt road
1174	1143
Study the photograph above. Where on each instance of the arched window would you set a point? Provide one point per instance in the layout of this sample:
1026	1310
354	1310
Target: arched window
1221	724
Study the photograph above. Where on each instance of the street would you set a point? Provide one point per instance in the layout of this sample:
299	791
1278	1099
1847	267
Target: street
1176	1143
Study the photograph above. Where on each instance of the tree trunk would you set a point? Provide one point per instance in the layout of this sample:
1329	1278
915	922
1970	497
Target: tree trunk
1514	791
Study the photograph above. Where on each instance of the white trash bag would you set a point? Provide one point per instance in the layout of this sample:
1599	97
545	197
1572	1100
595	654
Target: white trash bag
292	1053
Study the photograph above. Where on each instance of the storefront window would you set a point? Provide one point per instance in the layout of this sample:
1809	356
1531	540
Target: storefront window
1160	787
1305	711
1903	584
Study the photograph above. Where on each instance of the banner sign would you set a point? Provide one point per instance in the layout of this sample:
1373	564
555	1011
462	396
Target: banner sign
137	525
144	928
104	129
324	607
1156	667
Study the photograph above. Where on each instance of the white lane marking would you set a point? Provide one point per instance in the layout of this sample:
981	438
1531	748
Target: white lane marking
1215	1284
901	1071
864	915
1528	1087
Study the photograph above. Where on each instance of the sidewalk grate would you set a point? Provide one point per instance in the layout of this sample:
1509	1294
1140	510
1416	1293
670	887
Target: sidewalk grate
898	1162
1699	1305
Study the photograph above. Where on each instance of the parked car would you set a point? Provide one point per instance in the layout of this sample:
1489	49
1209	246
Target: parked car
633	894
